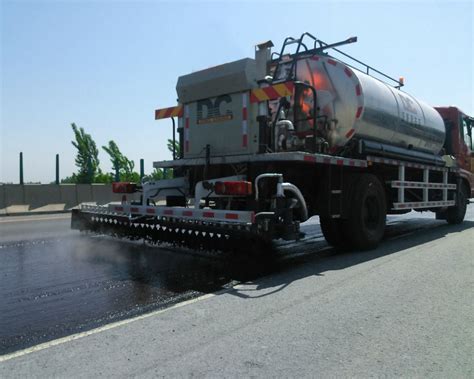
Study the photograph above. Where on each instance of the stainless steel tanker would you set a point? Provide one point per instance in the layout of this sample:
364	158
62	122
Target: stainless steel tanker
359	105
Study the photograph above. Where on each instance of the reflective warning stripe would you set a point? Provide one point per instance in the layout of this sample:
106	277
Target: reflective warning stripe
244	120
397	162
186	128
176	212
428	204
169	112
315	158
407	184
350	133
258	95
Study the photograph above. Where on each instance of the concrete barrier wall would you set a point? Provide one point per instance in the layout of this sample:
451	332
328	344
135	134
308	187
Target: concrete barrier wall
14	194
84	193
68	196
103	195
3	203
38	195
41	197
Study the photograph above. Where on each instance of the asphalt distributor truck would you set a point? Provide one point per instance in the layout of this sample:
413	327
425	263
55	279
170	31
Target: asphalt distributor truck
266	143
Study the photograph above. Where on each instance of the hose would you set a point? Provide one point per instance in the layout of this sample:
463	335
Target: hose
295	191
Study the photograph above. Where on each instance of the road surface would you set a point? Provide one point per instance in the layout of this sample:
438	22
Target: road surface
404	309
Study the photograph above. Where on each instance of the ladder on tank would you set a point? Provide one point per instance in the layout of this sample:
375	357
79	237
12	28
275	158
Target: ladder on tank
282	58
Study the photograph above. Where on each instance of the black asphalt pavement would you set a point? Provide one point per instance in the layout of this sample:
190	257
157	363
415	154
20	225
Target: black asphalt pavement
56	282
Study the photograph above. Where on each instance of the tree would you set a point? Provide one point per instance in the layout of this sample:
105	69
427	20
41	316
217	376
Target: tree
121	164
159	173
176	147
69	179
87	158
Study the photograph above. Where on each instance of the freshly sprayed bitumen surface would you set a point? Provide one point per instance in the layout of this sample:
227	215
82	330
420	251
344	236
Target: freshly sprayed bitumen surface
64	284
56	282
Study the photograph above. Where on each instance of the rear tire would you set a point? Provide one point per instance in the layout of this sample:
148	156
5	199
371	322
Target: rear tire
365	226
332	231
455	214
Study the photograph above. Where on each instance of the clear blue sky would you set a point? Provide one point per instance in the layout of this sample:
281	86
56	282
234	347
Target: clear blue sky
106	65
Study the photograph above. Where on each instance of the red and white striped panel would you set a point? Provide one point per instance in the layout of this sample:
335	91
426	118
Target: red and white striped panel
186	128
427	204
357	88
244	120
396	162
240	217
338	161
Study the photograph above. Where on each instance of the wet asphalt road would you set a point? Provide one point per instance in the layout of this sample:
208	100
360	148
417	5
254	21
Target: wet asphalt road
55	282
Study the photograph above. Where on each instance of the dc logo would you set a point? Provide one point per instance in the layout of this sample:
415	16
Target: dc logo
209	111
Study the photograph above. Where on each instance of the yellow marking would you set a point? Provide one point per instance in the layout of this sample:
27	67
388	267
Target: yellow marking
260	94
282	90
168	112
176	111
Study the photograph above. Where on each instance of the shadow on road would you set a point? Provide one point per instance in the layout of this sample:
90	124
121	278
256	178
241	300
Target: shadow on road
178	270
332	259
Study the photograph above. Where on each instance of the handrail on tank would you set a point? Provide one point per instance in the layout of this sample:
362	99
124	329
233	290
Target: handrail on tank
368	68
290	41
325	46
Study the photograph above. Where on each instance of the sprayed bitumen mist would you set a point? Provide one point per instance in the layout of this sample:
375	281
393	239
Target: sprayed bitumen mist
68	283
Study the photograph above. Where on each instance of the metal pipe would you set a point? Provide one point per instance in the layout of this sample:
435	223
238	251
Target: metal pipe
21	168
142	169
385	150
269	175
278	126
295	190
57	168
174	138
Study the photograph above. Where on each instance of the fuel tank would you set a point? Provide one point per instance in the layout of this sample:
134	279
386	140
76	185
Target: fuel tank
360	106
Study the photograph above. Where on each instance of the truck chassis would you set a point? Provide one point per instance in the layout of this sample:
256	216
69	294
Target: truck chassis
400	187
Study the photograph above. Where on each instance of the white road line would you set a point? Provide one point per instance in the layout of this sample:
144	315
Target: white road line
113	325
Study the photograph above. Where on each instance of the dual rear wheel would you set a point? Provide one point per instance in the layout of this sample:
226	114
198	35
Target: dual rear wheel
364	226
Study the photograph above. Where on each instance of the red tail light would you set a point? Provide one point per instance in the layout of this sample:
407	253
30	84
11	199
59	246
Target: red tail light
124	187
233	188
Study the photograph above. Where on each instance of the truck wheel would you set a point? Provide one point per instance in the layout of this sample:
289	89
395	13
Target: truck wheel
365	226
332	231
455	214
